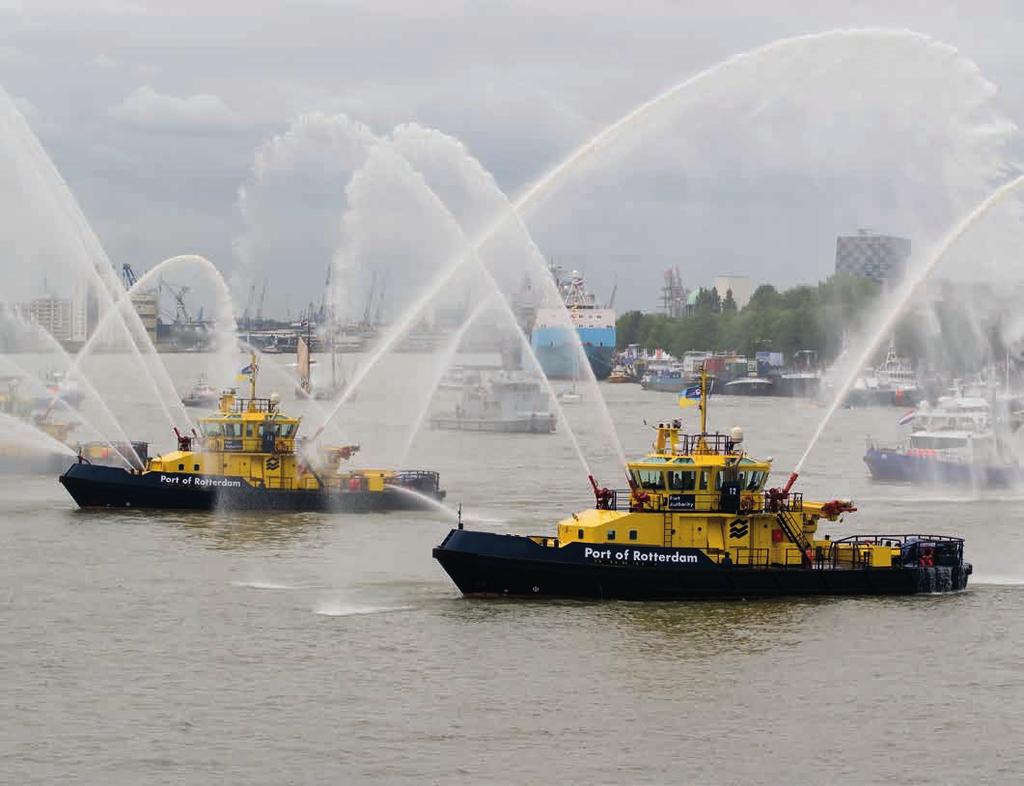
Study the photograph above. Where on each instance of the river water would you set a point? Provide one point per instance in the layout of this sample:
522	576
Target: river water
330	648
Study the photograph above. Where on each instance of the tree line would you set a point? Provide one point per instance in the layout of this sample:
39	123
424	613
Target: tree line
803	317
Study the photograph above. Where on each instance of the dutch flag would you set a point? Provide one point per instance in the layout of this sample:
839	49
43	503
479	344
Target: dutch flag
907	417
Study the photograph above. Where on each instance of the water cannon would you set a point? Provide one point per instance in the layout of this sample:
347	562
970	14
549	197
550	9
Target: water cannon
789	483
602	495
184	441
639	495
836	507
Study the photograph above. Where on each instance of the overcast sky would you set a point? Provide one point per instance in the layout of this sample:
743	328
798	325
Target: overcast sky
153	112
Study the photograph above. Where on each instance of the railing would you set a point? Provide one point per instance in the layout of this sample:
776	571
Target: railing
705	444
948	549
794	530
416	478
254	405
659	501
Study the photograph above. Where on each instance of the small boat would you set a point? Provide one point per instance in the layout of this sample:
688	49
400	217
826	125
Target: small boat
893	383
698	523
60	388
669	379
504	403
749	386
619	376
247	455
202	395
570	396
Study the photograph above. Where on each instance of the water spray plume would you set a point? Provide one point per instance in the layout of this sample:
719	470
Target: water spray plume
902	298
413	313
544	186
30	436
87	248
40	333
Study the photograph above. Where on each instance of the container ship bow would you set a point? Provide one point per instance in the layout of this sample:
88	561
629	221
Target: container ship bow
552	336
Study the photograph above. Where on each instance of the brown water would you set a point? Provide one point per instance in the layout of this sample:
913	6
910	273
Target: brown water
328	648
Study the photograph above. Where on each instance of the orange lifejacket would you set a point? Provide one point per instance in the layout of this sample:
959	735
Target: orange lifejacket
926	560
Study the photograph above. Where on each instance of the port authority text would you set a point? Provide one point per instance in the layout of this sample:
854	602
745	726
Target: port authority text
199	481
638	557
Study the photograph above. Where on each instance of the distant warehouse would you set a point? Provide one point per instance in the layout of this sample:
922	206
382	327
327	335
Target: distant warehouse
882	258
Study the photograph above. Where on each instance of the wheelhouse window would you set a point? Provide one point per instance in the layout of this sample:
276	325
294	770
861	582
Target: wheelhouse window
704	480
232	430
682	480
757	478
211	428
652	480
286	429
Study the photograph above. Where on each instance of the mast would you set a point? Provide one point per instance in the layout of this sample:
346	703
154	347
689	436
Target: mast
703	399
331	328
252	377
303	361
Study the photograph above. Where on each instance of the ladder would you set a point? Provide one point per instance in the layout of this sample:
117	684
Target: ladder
795	532
668	531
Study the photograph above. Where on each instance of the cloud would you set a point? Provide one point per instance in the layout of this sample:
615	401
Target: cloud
199	113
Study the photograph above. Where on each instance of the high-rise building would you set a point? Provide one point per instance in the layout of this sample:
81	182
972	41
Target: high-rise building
882	258
147	306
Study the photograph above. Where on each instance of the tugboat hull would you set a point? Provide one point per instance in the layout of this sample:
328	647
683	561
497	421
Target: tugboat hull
482	563
898	466
94	486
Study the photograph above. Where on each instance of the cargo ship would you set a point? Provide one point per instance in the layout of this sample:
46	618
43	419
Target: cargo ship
552	337
247	455
697	522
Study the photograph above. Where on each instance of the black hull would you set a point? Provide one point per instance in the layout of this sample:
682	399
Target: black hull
488	564
110	487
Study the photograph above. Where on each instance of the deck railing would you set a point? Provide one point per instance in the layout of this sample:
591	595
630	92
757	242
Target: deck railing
660	502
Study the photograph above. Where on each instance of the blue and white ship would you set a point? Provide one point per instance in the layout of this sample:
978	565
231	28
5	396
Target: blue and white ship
552	338
954	443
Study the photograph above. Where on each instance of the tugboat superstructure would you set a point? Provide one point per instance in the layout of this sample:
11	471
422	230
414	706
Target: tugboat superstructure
248	455
698	522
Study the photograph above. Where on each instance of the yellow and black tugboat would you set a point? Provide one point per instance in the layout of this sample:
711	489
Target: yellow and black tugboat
247	455
697	522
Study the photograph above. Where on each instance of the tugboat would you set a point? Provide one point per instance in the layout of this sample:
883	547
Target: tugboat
697	523
248	456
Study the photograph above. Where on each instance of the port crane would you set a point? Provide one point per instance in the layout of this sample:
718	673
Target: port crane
128	277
